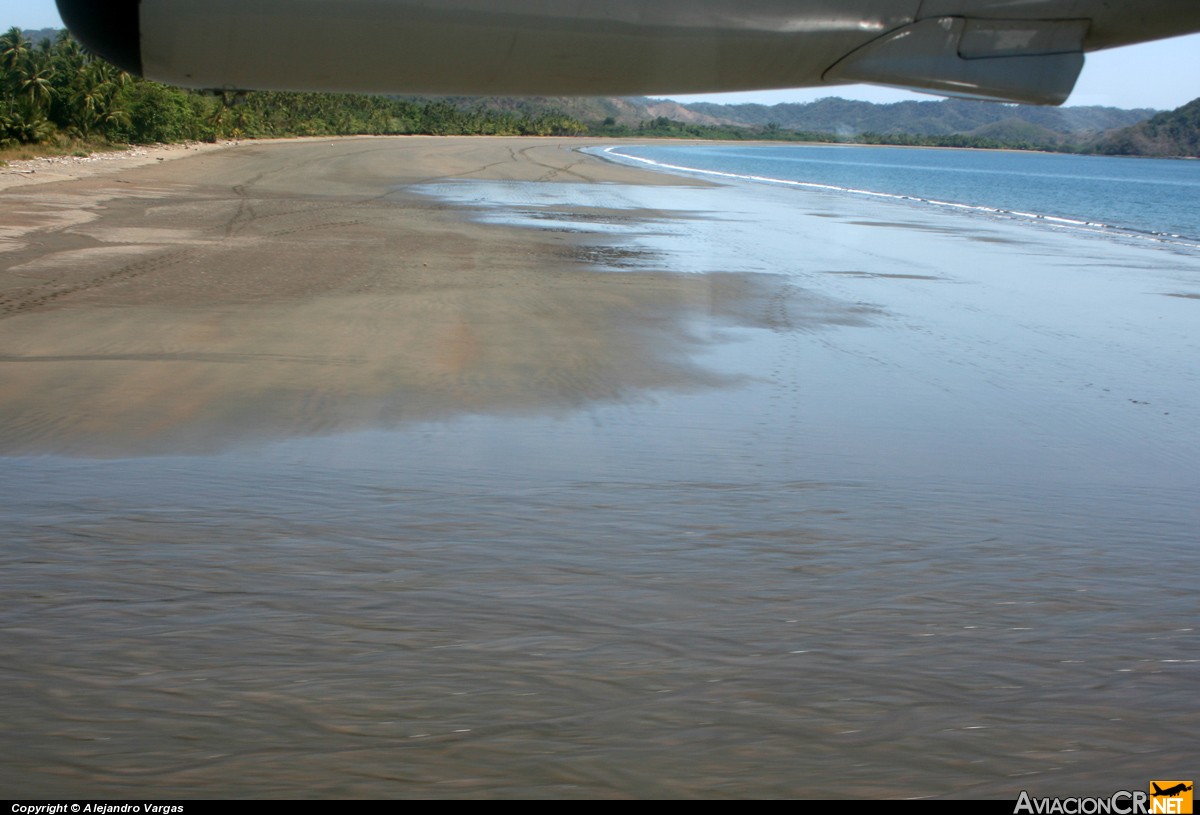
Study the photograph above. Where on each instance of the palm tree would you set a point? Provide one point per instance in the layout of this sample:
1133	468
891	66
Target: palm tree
37	83
14	50
28	87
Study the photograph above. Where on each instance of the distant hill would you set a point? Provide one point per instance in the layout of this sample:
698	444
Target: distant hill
1174	133
933	118
36	35
1046	128
1017	131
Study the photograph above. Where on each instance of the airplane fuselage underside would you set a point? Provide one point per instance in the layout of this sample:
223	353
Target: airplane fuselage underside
1009	50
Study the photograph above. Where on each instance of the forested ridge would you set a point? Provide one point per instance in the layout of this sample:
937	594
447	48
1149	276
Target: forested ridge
1174	133
55	95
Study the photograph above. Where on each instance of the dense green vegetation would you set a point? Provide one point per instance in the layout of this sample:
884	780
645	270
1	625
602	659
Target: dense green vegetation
55	94
54	91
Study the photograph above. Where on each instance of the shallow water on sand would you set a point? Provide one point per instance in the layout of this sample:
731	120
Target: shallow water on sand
923	525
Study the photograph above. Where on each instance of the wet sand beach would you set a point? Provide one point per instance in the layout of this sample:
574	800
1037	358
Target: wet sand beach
464	467
205	297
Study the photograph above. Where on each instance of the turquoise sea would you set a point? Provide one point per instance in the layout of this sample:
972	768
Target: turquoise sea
1148	198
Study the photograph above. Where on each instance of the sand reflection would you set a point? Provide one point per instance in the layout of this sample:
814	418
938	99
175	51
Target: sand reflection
147	380
253	295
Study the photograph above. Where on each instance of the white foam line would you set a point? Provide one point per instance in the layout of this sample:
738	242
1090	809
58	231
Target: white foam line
1053	220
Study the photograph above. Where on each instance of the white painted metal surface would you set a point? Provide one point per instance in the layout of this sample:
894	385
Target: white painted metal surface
1016	50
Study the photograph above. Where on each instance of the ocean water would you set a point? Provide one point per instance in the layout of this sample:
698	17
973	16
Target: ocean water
1148	198
764	491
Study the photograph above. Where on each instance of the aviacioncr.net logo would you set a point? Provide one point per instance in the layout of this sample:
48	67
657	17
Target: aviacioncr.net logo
1163	798
1171	797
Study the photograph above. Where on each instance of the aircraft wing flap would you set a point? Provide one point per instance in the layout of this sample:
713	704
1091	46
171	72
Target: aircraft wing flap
1029	61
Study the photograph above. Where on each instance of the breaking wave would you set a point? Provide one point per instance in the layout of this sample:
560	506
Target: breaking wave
1075	224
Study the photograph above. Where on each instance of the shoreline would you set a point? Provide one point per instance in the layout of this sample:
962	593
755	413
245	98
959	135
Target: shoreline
49	169
1074	222
257	234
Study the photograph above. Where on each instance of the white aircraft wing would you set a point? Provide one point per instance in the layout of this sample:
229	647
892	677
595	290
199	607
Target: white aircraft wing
1008	50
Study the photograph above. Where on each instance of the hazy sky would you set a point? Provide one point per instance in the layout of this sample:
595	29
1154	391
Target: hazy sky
1161	75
